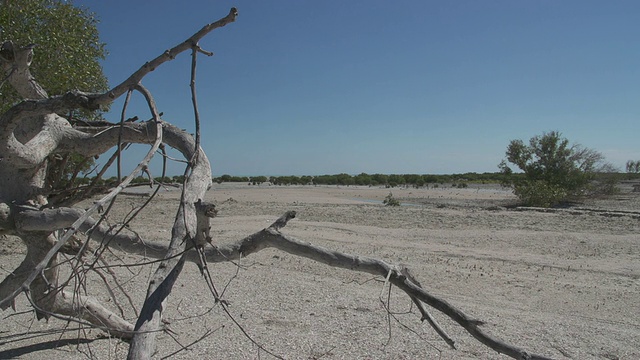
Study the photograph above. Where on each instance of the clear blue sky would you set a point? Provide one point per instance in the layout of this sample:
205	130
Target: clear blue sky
322	87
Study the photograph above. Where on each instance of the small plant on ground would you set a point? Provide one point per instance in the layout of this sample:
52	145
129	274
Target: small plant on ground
391	201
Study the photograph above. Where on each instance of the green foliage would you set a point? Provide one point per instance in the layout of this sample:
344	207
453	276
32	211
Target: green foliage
68	49
633	167
286	180
540	193
554	171
392	180
391	201
229	178
66	57
363	179
379	179
258	179
345	179
140	180
163	180
395	180
325	180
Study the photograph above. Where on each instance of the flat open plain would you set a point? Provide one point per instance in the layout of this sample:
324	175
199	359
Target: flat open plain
565	284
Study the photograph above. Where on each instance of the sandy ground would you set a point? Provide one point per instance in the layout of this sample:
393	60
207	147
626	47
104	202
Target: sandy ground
565	284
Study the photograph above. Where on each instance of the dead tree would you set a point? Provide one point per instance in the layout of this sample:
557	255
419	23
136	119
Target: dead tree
32	132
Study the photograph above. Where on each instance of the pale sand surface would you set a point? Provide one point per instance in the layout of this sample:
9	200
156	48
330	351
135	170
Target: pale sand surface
563	284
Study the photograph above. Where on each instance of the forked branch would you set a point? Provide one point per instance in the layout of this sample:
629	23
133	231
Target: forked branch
71	230
272	237
168	55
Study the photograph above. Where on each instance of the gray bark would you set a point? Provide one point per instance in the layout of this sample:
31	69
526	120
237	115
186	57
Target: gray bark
31	132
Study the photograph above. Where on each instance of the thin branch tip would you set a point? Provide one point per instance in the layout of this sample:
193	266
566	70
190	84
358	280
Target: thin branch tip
283	220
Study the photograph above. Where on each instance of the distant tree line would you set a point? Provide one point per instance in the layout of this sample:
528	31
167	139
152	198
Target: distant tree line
364	179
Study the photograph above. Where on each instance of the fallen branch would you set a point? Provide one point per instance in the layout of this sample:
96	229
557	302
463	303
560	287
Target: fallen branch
271	237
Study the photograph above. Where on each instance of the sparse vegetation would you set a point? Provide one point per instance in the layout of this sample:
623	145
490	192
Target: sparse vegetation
633	167
391	201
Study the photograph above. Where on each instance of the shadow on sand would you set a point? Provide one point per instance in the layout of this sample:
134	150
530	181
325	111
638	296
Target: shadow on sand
47	345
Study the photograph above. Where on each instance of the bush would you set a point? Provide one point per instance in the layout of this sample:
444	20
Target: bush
554	171
539	193
391	201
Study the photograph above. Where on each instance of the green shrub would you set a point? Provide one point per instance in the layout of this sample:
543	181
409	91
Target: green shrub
539	193
391	201
633	167
553	170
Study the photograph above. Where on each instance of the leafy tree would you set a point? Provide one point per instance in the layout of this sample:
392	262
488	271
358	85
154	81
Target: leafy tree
633	167
140	180
363	179
258	179
285	180
395	180
413	179
163	180
430	179
67	53
229	178
554	170
379	179
344	179
325	180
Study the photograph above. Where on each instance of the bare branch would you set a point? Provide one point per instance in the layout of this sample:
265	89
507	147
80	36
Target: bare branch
425	313
32	154
72	305
186	225
283	220
272	238
168	55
